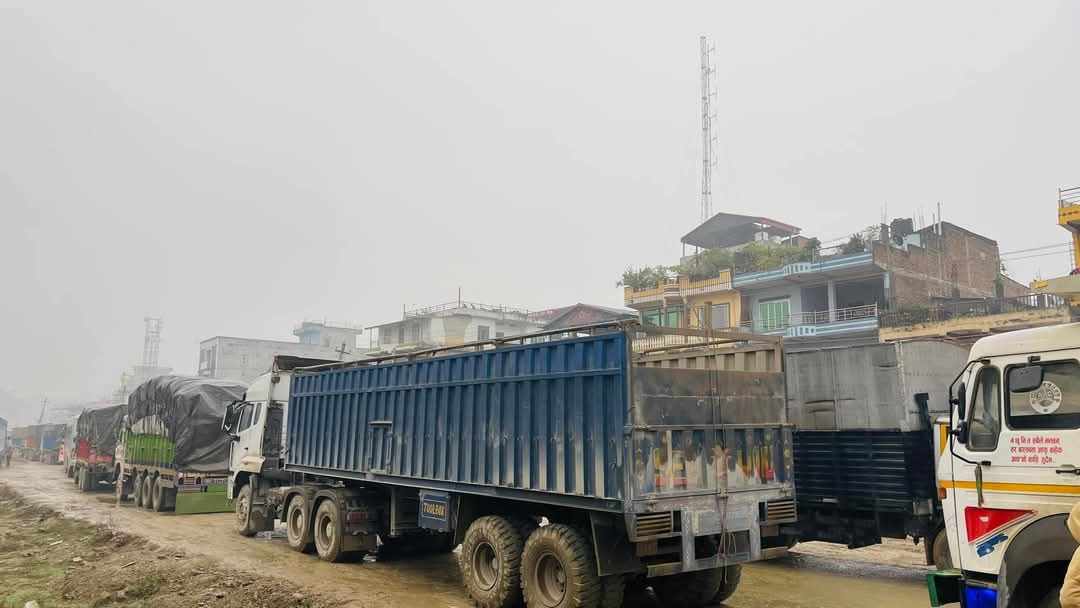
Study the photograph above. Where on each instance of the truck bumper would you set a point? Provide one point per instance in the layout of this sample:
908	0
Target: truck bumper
950	586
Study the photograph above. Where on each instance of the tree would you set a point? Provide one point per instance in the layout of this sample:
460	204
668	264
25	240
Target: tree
856	244
645	277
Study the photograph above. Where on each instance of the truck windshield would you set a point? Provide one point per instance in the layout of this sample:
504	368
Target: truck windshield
1054	405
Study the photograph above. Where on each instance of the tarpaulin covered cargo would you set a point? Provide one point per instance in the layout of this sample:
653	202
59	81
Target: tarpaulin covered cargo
187	411
100	427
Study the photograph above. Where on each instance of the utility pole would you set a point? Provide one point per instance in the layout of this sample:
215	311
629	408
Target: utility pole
708	77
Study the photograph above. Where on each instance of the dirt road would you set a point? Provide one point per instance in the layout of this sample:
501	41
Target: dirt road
815	576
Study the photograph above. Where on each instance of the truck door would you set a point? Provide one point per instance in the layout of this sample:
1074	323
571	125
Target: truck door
1020	460
247	436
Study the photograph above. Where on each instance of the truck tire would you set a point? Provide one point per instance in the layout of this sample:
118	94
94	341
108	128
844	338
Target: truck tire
147	491
1052	599
940	551
730	583
689	589
85	480
490	562
242	504
297	527
121	487
612	591
136	490
558	569
328	531
159	497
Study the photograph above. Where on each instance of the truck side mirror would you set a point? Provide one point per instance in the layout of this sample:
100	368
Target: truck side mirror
1025	379
228	421
960	428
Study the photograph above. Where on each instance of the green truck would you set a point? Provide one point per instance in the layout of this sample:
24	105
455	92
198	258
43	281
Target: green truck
171	455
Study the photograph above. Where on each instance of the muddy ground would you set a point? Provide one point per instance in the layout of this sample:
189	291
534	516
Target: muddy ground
816	575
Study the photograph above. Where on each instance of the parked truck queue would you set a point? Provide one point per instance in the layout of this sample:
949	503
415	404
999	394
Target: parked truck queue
576	467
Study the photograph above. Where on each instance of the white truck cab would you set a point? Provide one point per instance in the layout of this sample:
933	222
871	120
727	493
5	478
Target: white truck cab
1010	470
257	427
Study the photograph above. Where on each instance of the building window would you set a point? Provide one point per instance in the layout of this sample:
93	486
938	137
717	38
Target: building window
243	360
774	314
483	332
721	316
500	334
672	317
651	317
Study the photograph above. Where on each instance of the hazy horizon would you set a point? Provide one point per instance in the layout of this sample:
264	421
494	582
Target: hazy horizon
238	168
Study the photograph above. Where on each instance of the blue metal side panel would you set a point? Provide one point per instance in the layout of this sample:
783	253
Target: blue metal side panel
547	417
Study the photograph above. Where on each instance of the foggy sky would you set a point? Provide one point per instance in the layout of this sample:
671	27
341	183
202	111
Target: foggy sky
237	167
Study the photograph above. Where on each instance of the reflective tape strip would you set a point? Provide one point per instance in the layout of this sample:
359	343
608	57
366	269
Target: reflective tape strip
1030	488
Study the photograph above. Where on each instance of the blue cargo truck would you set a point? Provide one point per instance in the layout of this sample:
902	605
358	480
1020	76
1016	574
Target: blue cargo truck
569	466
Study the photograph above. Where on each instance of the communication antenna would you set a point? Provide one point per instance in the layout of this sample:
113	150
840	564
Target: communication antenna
151	341
708	135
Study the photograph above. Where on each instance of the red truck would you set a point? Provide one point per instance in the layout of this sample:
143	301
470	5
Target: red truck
95	442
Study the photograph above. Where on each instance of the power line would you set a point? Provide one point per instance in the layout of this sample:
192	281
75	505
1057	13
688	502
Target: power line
1036	255
1005	253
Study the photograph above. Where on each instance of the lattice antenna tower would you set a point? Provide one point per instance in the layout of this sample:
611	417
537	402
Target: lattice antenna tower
151	341
708	132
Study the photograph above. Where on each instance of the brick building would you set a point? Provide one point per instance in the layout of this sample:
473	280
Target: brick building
940	263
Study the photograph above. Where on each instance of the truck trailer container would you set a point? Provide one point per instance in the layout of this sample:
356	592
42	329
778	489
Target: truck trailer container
564	463
864	448
171	455
94	446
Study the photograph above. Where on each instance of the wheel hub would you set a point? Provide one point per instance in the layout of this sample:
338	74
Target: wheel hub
485	565
550	579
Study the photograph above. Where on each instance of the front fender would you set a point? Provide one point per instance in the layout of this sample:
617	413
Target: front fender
1046	540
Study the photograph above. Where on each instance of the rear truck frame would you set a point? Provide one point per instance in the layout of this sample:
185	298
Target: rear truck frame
89	468
564	464
1008	475
144	471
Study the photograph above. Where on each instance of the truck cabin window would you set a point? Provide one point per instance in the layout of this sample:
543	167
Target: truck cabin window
245	418
985	411
1055	404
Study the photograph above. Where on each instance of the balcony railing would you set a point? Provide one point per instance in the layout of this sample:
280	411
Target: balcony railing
972	308
677	288
823	317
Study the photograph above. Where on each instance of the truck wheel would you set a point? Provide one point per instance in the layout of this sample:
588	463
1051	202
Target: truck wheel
121	487
328	531
136	491
558	569
297	526
940	551
490	562
158	498
85	483
612	590
689	589
147	491
243	511
732	576
1052	599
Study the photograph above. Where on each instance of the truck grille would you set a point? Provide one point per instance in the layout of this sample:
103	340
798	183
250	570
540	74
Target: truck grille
779	511
654	524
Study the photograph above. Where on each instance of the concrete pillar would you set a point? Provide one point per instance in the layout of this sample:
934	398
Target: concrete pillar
832	300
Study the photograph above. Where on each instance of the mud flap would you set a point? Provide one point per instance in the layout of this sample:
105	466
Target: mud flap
944	587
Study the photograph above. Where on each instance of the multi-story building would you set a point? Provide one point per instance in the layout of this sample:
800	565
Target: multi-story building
783	283
450	324
245	359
